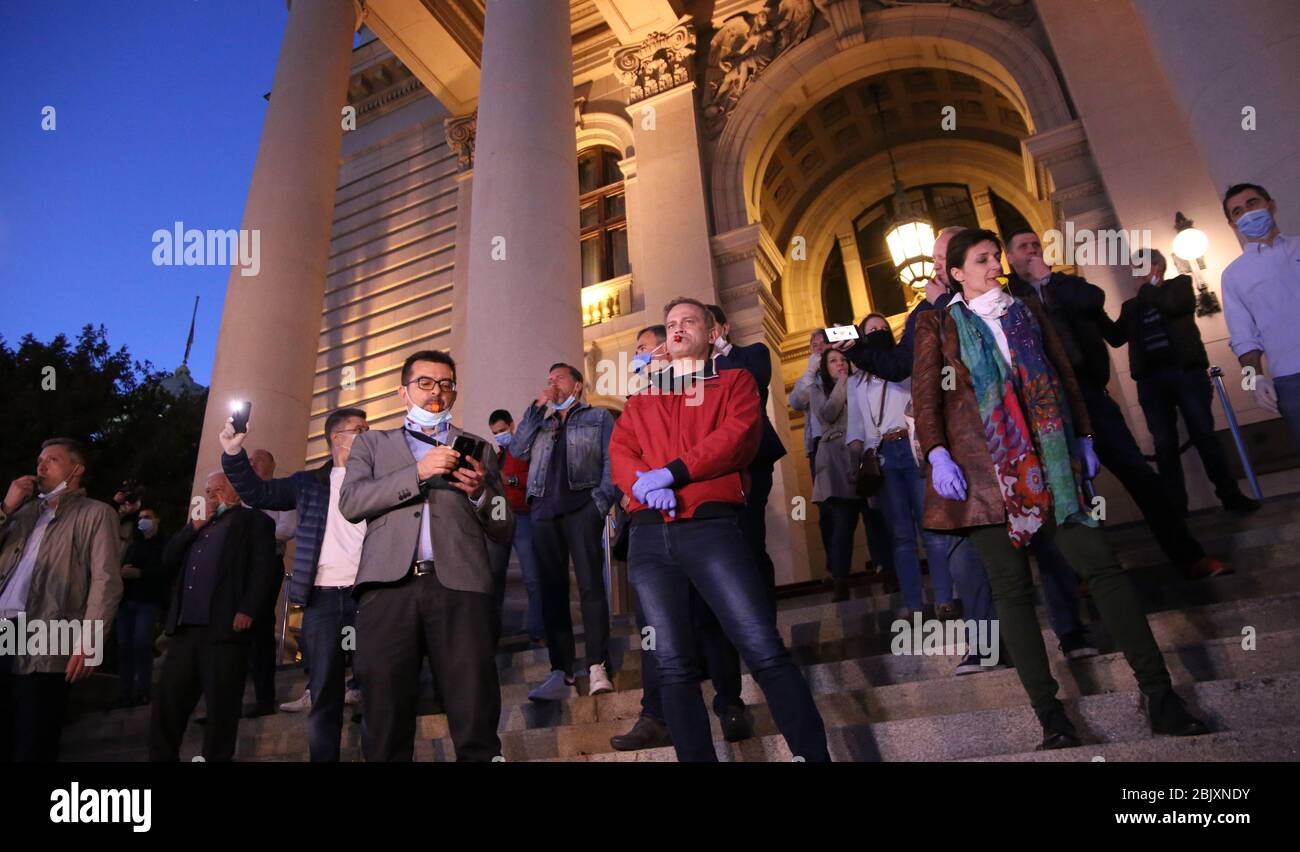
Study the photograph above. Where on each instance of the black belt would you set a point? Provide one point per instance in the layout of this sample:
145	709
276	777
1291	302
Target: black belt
420	567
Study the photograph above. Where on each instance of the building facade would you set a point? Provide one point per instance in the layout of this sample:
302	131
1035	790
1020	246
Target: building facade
529	181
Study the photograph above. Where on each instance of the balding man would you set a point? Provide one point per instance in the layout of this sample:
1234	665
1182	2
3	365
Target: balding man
228	571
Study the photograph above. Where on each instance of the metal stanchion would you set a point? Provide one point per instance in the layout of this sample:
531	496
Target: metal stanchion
1217	375
284	622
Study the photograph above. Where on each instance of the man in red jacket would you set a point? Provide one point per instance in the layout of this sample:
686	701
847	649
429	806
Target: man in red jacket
680	449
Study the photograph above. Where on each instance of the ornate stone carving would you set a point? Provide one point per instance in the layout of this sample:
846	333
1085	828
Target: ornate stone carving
460	136
744	45
1018	11
657	64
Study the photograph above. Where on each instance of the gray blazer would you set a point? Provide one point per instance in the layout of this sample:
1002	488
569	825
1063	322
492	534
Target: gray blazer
382	488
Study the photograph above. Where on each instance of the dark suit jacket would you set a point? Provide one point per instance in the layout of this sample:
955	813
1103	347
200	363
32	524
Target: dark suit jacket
1176	301
1077	310
758	361
249	572
383	489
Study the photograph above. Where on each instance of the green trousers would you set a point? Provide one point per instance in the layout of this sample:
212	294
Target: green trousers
1087	552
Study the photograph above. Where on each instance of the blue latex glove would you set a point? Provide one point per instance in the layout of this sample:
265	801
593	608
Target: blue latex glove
650	480
664	500
1091	464
946	476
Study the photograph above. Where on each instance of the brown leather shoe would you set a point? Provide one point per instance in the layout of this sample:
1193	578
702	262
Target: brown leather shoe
1208	566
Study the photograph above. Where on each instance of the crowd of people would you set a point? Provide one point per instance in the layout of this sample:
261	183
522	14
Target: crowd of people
973	441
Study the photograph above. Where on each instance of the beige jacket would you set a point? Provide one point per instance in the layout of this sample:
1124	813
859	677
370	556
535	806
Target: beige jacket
78	572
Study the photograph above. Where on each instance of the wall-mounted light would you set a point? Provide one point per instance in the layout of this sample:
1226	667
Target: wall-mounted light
1190	245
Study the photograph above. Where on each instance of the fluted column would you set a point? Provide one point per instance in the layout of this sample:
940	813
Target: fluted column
270	324
523	309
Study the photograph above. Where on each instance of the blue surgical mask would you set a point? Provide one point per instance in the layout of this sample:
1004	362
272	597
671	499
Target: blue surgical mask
564	405
221	509
642	359
145	525
503	439
426	419
1255	224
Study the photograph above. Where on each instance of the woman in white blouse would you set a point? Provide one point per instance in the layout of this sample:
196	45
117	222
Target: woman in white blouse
877	422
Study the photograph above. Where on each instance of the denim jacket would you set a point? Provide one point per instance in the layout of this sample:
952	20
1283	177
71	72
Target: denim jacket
587	448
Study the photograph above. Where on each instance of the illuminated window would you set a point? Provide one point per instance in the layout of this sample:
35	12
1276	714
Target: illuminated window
602	216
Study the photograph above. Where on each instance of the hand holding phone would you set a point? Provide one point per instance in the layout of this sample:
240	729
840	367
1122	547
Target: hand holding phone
838	333
240	417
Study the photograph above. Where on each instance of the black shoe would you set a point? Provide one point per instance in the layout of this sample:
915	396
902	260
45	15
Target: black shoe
841	591
1075	645
1058	730
1240	503
1169	716
735	724
252	711
646	733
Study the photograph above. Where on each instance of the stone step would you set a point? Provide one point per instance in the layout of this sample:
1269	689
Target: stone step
1260	745
847	692
1256	704
1190	638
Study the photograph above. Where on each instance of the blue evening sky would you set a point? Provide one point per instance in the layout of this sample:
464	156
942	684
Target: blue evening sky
159	111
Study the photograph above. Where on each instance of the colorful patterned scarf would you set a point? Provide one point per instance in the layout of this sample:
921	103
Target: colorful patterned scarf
1026	421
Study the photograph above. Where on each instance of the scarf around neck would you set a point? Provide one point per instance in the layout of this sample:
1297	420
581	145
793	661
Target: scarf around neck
1027	424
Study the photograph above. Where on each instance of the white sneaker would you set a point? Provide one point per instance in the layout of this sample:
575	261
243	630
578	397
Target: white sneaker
302	704
600	682
352	696
555	688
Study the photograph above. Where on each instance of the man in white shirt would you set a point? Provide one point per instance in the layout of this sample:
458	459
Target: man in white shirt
325	565
1261	302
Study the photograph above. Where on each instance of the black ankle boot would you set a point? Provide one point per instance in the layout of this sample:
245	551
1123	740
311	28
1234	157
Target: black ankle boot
1058	730
1170	716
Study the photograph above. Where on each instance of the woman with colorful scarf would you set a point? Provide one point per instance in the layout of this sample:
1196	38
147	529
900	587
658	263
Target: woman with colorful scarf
1000	419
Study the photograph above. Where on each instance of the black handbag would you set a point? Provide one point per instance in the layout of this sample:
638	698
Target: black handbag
870	476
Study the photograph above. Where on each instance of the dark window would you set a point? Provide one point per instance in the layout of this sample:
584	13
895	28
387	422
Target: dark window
1008	217
602	216
837	306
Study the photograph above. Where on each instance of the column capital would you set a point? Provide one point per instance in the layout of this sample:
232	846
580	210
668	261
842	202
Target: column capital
461	131
661	62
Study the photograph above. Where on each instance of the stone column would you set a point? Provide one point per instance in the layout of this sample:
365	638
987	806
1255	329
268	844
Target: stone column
270	325
460	138
749	265
859	293
672	220
523	309
1219	60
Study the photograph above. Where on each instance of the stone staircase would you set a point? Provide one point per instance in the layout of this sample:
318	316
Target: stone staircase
1232	645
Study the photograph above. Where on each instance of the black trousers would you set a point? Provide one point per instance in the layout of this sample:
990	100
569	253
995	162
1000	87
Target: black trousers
753	525
398	625
1118	451
31	714
198	666
499	562
261	655
578	535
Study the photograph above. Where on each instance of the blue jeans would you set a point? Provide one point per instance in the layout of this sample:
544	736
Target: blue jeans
1288	402
323	620
135	625
903	502
711	555
528	566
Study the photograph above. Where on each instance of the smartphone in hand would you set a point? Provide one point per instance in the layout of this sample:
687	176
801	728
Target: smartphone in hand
836	333
239	419
468	448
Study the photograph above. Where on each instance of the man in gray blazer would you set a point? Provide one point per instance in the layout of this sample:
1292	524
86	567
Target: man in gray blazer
425	584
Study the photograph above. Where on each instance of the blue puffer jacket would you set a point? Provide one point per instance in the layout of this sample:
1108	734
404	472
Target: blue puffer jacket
308	491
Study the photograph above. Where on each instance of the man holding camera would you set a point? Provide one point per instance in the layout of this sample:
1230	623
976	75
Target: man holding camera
431	497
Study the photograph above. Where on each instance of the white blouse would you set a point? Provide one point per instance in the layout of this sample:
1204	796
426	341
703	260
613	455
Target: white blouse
864	407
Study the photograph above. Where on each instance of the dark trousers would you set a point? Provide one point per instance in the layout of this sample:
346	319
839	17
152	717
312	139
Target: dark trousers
825	522
197	666
329	611
665	561
844	516
577	535
1112	591
499	564
753	523
398	625
1163	394
261	659
134	624
1119	452
31	713
717	656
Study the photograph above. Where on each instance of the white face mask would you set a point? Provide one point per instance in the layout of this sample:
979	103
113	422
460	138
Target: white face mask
426	419
58	489
720	343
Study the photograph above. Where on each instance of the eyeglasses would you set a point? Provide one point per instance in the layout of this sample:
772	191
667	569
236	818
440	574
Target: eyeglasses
425	383
357	431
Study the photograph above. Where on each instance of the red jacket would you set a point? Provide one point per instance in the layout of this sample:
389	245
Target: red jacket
516	495
706	435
